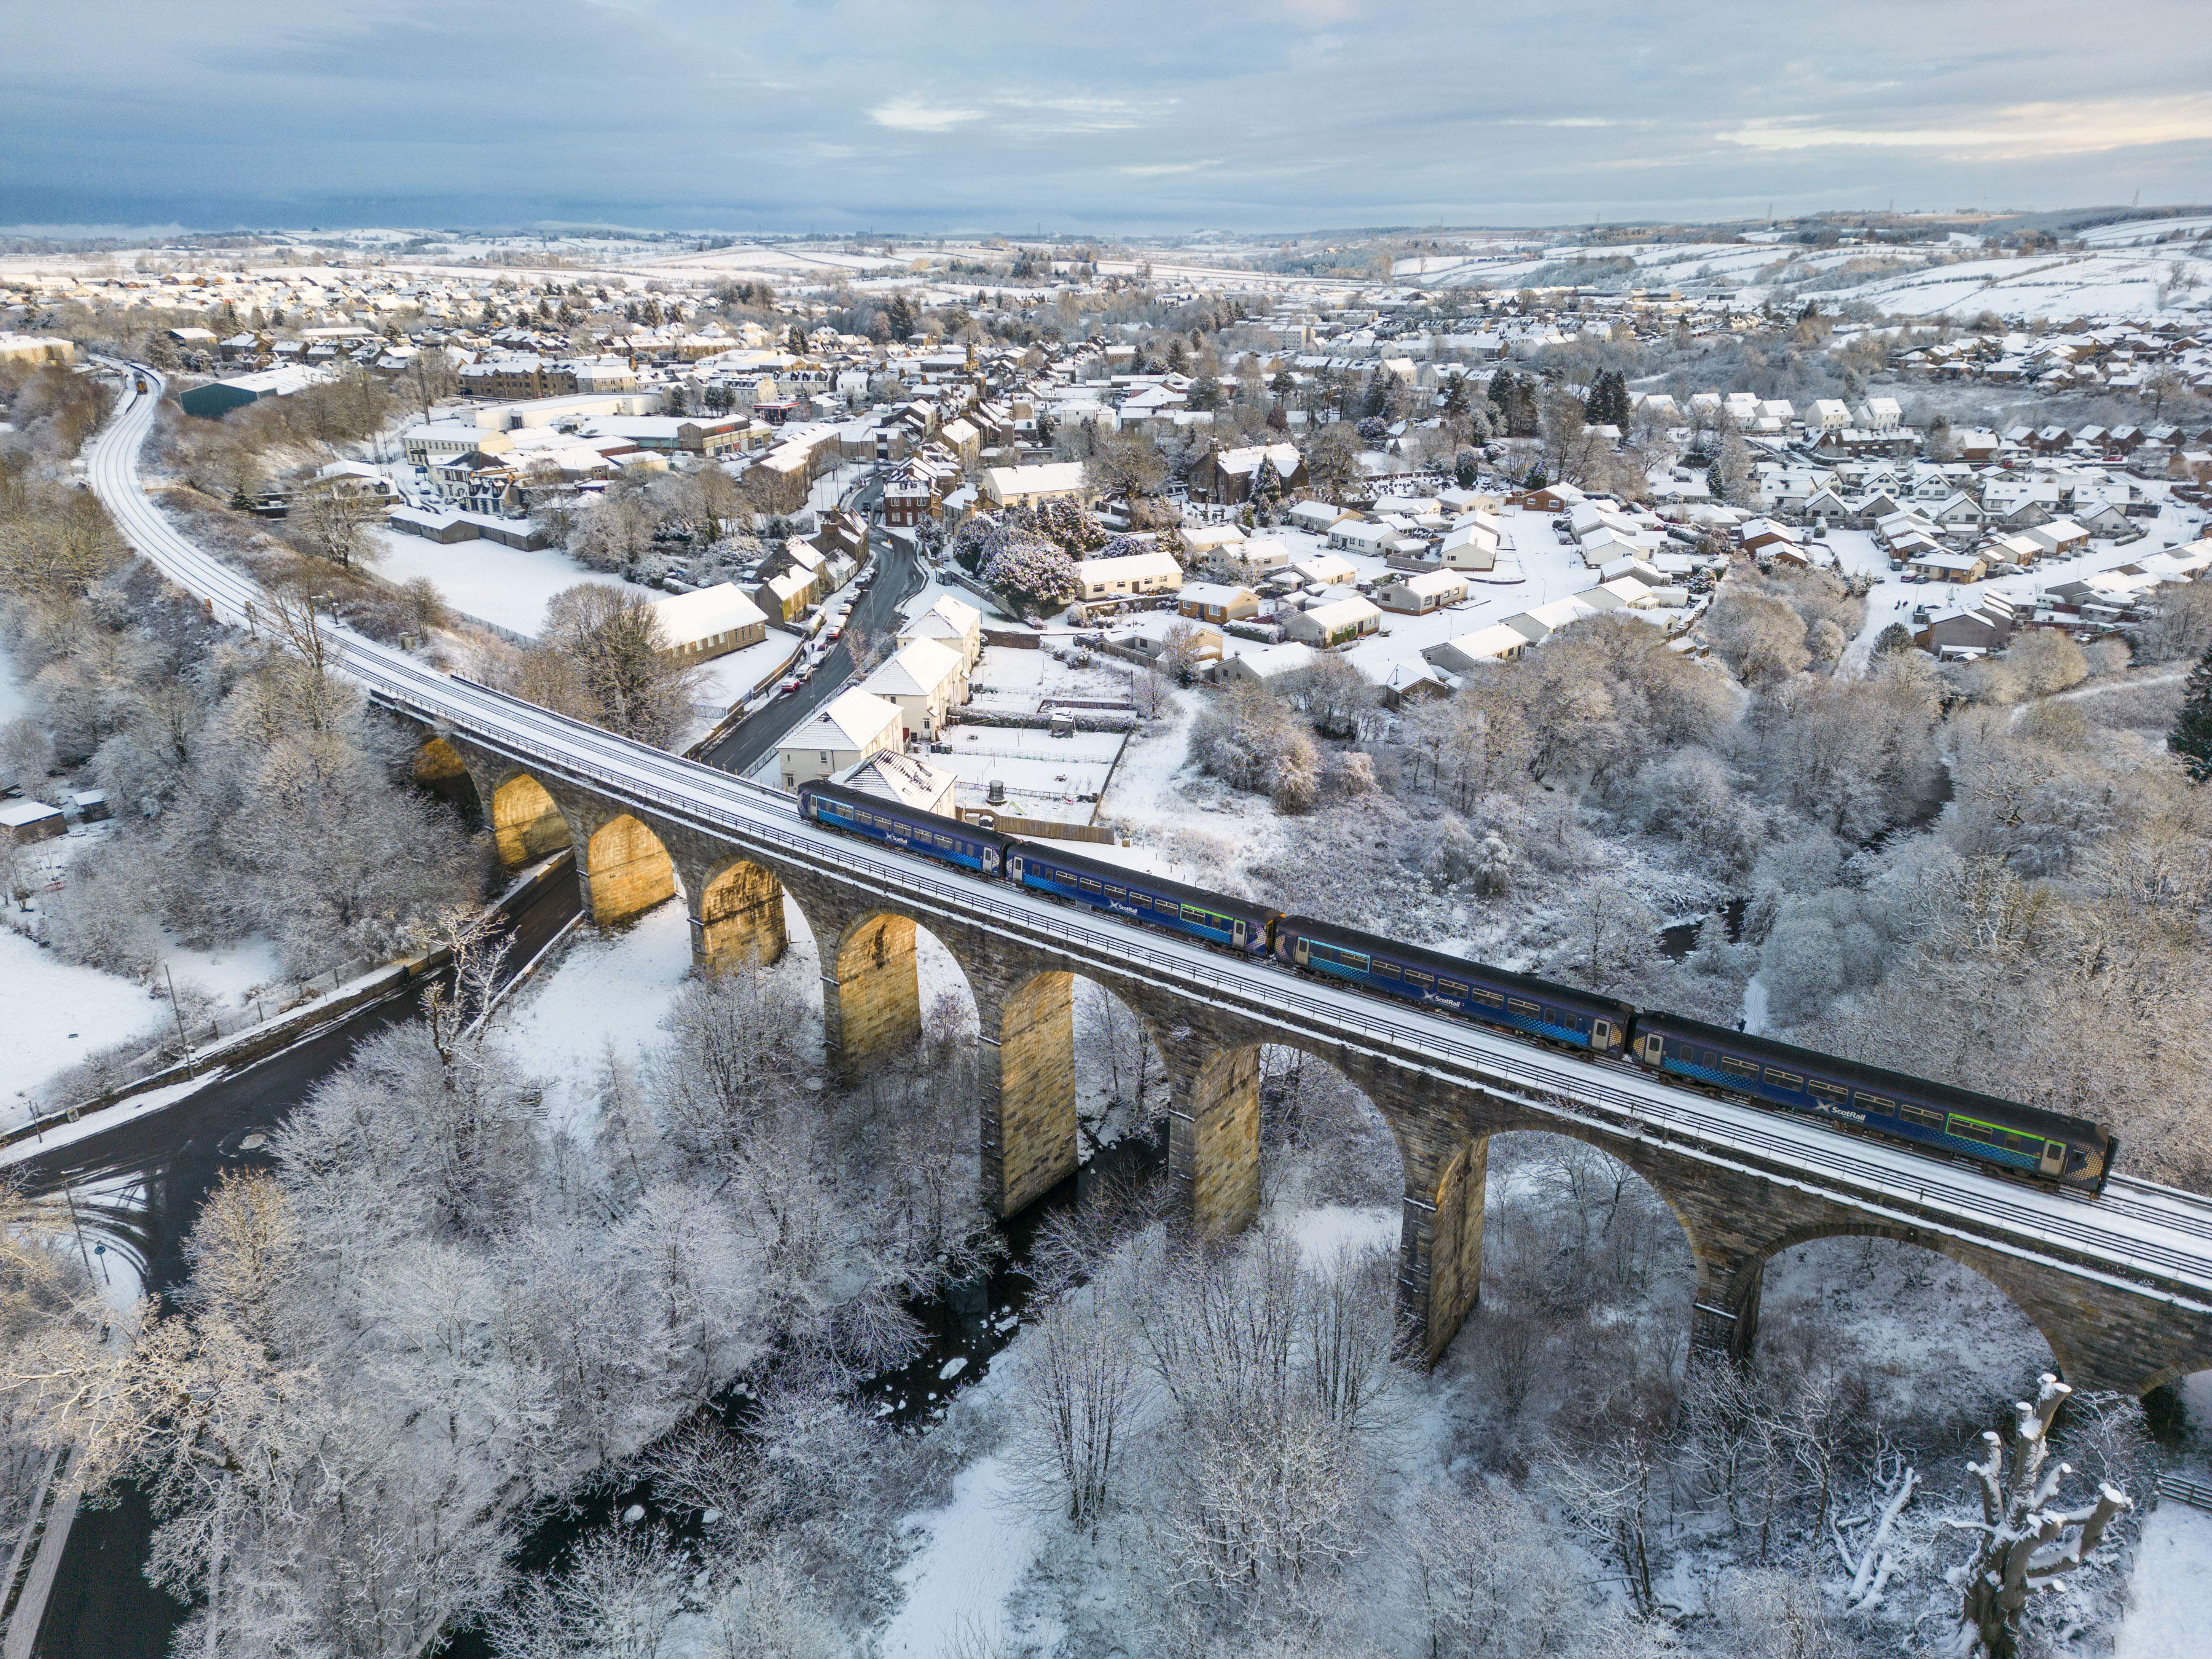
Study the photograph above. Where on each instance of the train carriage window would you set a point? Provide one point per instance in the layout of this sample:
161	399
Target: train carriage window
946	842
1835	1093
1920	1117
1116	892
1781	1080
1420	976
1522	1006
1707	1059
1451	988
1992	1134
1090	883
1740	1066
1879	1105
1487	998
1387	970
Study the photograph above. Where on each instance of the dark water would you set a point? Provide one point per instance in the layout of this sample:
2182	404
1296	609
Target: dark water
1677	942
964	1325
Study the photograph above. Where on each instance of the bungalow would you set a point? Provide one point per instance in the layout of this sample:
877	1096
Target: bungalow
1470	547
1029	486
953	623
711	622
1205	542
2061	536
1959	630
1333	623
1218	602
1419	595
1950	567
1495	643
1325	570
2021	550
1759	533
1315	516
22	822
1283	667
1127	576
1361	536
1259	555
844	732
1552	498
926	681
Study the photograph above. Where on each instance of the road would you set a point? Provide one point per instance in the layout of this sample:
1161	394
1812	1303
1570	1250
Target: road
900	574
100	1606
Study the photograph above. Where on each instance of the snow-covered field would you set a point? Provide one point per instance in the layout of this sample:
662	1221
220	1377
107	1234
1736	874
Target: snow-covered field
55	1013
508	586
2171	1586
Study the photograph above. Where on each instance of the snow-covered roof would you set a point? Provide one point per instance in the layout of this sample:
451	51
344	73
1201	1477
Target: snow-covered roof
854	719
721	609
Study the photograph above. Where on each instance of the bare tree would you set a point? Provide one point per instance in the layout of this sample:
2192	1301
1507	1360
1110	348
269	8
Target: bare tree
333	520
2026	1544
1077	1392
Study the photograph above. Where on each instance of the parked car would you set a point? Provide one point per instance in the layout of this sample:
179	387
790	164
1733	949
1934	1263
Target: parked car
790	686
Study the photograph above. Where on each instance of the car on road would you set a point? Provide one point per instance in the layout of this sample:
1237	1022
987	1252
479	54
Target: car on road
790	685
833	630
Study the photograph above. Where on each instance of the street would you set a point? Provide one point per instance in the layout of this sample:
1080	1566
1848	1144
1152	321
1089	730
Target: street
101	1606
900	574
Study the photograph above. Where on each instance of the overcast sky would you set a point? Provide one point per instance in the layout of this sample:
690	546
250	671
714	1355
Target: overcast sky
1131	114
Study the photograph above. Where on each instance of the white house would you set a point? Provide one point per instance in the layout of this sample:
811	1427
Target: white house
844	732
1362	536
926	680
1136	573
1279	666
1495	643
1334	622
1325	570
1026	486
951	623
1315	516
1432	590
1471	547
711	622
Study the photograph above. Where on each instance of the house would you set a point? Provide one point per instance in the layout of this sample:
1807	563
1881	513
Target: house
907	780
1950	567
844	732
1333	623
1324	570
953	623
1495	643
711	622
1959	631
926	681
1228	474
1208	542
1284	666
1127	576
1218	602
1259	555
785	595
1552	498
1029	486
2021	549
1829	414
22	822
1362	536
1315	516
1419	595
2061	537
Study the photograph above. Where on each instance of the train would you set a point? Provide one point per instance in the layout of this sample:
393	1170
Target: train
2052	1150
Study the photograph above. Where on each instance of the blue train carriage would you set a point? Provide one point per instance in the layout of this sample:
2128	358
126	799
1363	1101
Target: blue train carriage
948	840
2050	1148
1234	924
1513	1002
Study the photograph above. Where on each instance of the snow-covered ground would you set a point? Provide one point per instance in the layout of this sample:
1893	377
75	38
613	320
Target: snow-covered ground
55	1013
972	1555
2172	1587
506	586
1045	776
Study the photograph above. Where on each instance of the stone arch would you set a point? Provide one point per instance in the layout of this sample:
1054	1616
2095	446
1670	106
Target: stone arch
439	770
626	871
1458	1282
1031	1122
738	917
2047	1319
871	989
527	822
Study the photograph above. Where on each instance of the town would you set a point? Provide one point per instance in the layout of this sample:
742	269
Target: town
879	834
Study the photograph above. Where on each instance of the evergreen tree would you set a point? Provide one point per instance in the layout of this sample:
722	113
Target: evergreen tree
2192	732
1456	399
1536	480
1715	486
1377	398
1501	393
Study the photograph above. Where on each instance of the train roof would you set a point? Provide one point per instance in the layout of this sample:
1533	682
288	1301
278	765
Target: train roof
1876	1076
908	814
1179	891
1375	944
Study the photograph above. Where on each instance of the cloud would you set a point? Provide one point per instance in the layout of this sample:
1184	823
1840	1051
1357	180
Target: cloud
911	115
2021	131
1162	169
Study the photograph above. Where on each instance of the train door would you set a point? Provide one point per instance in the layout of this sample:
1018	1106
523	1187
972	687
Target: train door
1014	867
1236	934
2053	1161
1655	1048
1298	950
1601	1034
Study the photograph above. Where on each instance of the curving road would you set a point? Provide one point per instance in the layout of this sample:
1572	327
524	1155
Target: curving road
2139	1235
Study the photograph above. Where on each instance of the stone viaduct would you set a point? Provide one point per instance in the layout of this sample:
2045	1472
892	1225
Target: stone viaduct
2108	1326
